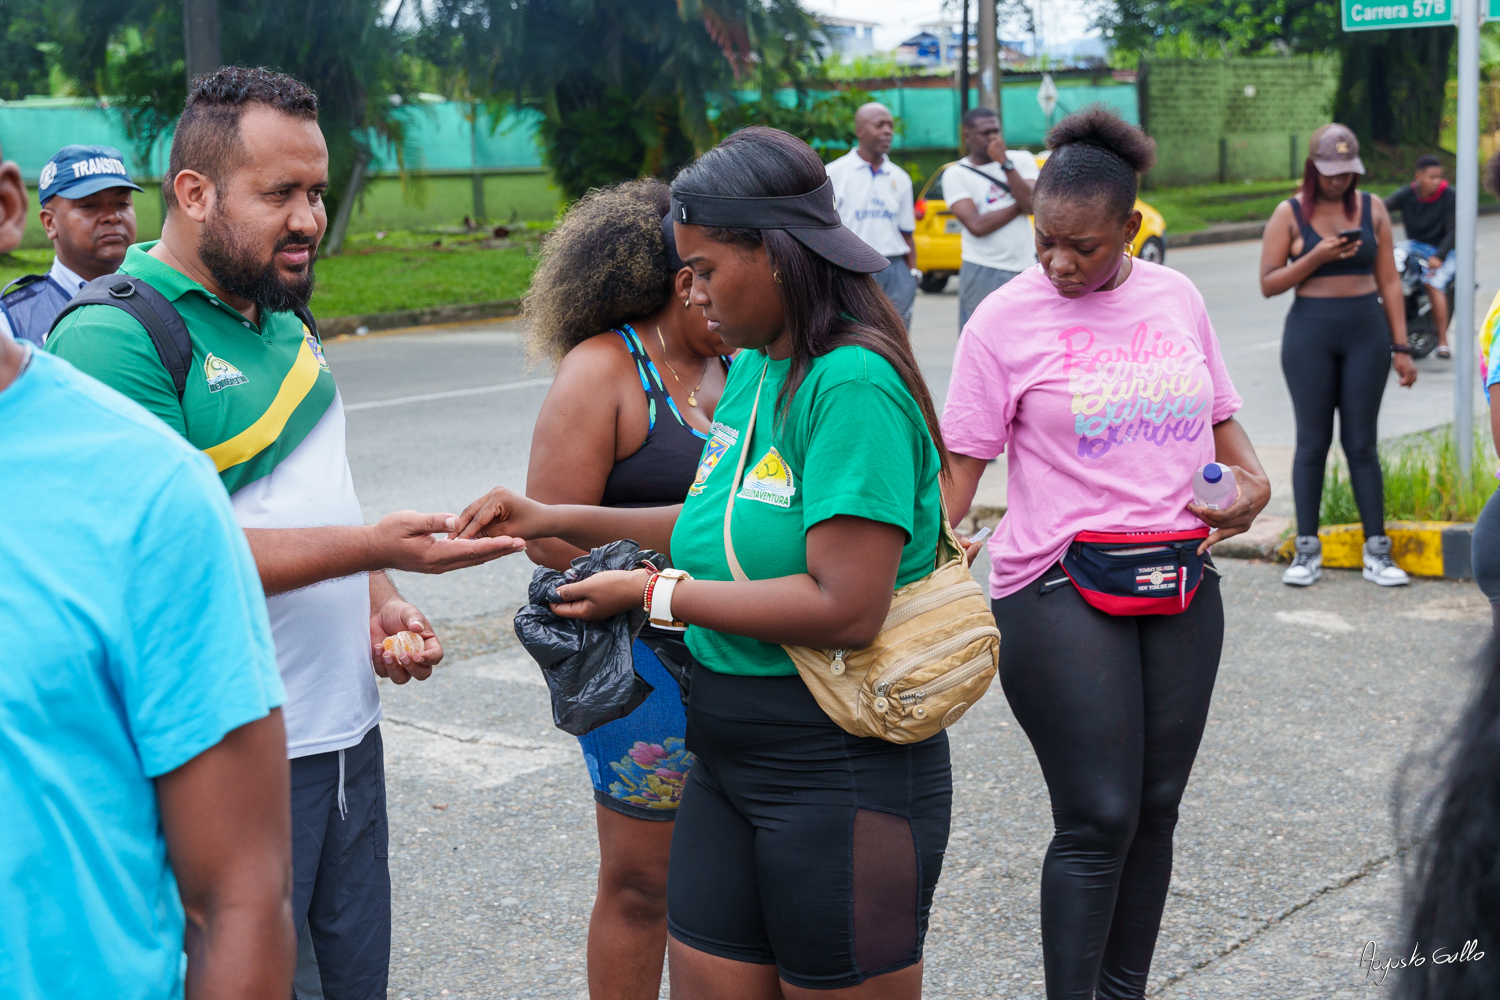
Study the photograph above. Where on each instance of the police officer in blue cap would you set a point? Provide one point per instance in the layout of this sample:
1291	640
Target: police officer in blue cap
89	216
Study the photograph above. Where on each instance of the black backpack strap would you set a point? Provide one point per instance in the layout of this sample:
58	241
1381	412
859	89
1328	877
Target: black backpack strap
993	180
149	308
305	315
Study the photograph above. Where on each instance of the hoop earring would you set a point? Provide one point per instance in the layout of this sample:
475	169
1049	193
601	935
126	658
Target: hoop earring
776	276
687	303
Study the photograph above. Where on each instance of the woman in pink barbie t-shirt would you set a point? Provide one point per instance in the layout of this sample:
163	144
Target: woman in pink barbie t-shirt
1102	379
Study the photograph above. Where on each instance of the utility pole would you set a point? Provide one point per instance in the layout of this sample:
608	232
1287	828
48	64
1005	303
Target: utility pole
1468	210
200	37
963	65
476	178
989	61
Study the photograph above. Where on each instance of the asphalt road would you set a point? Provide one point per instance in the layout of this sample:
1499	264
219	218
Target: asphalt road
1285	851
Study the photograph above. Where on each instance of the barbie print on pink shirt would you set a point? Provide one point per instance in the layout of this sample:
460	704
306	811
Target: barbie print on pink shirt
1104	406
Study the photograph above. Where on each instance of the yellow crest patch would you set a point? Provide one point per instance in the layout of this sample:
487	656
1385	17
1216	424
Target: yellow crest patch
220	373
770	482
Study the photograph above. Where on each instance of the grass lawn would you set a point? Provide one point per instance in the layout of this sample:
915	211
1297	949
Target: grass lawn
400	270
1197	207
374	276
1204	205
13	265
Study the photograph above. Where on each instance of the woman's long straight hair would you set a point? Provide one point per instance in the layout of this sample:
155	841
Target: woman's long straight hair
826	306
1309	192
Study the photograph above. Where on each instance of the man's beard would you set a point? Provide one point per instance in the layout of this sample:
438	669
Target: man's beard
239	269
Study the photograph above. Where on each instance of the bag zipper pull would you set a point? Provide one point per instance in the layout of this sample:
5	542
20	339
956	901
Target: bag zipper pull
838	662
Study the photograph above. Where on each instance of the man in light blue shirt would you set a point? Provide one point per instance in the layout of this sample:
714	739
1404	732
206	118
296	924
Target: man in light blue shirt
146	841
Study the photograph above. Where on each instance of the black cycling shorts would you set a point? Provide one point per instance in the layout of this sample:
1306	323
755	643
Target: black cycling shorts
798	845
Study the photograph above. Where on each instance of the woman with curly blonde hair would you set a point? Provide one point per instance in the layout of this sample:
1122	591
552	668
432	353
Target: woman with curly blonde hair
624	425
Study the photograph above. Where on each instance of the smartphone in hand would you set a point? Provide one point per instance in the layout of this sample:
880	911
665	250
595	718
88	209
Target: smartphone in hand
1350	235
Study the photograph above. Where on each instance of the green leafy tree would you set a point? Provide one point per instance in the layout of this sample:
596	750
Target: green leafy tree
626	87
1391	83
824	119
24	45
347	51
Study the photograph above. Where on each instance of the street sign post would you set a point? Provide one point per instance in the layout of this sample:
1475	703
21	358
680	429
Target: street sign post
1046	96
1380	15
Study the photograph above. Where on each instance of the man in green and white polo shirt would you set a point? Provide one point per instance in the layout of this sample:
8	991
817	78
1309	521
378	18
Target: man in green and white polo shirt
244	217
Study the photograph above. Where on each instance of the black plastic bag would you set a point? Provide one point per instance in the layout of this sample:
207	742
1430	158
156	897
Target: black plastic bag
587	665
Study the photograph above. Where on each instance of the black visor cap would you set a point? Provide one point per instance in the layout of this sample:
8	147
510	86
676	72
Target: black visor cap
809	218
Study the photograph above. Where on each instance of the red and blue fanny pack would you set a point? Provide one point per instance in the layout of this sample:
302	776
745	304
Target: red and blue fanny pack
1137	573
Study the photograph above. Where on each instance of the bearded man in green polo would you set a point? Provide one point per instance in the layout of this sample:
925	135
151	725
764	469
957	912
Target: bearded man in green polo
244	193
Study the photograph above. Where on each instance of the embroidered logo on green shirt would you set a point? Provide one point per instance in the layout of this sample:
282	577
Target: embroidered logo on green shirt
317	348
770	482
722	440
221	373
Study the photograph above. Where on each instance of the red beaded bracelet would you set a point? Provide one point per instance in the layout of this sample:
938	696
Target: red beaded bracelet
646	598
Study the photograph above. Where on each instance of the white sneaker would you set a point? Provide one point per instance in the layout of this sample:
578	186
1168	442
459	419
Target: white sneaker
1379	567
1307	562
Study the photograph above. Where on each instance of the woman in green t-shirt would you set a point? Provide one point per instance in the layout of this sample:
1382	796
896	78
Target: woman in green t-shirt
804	858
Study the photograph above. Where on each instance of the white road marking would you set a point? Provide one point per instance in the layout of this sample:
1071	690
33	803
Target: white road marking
428	397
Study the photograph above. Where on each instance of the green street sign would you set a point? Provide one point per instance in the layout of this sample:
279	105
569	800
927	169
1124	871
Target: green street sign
1378	15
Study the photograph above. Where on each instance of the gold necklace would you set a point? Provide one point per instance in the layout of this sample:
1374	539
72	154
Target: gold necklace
693	394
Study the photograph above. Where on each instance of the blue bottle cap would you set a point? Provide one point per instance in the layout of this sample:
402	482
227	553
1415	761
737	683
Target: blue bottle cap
1212	472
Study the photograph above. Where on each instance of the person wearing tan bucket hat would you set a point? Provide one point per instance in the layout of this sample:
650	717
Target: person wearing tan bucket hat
1333	244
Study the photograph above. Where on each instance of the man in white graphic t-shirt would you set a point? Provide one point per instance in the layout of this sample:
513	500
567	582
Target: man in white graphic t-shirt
873	197
989	192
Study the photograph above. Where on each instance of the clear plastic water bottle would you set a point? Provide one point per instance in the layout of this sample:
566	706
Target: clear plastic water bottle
1214	486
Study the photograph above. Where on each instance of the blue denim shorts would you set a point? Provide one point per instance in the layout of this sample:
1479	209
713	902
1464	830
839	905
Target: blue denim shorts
638	764
1433	277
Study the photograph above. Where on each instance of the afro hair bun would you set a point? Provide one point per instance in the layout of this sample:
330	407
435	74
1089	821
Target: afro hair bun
1099	126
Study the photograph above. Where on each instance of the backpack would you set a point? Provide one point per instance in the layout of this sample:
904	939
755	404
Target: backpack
161	319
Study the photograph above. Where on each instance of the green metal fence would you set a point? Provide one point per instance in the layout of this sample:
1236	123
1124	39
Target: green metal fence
447	144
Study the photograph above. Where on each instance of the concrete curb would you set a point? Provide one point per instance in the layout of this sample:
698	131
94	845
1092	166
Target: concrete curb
1422	548
345	326
1232	232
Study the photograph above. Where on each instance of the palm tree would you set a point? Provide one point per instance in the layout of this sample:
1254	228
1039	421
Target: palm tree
626	87
348	51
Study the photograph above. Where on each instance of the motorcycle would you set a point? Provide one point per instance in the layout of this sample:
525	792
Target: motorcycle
1421	331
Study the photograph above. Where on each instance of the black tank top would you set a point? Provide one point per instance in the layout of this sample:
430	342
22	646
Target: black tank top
1362	262
661	471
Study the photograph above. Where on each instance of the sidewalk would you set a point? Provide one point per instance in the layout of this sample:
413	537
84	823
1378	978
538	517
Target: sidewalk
1283	867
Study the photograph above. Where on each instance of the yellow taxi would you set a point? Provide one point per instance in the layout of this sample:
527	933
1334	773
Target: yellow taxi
939	232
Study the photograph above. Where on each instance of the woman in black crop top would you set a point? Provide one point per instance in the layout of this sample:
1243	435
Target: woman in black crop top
1346	324
623	426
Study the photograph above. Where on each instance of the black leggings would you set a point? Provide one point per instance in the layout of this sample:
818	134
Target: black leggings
1114	707
1336	354
1484	552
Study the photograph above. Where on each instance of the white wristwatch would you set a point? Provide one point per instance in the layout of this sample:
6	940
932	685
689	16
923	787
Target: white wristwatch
659	613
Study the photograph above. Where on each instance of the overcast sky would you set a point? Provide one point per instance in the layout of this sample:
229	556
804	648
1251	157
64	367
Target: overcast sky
1061	20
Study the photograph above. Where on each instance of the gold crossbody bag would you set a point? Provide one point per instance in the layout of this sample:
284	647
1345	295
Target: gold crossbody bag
935	655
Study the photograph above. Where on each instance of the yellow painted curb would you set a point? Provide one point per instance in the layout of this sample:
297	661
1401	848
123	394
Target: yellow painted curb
1422	548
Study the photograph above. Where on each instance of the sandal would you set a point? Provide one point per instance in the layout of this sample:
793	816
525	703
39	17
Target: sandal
1443	352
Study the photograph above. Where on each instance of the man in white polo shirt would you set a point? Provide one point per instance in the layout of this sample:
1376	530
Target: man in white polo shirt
873	198
989	192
